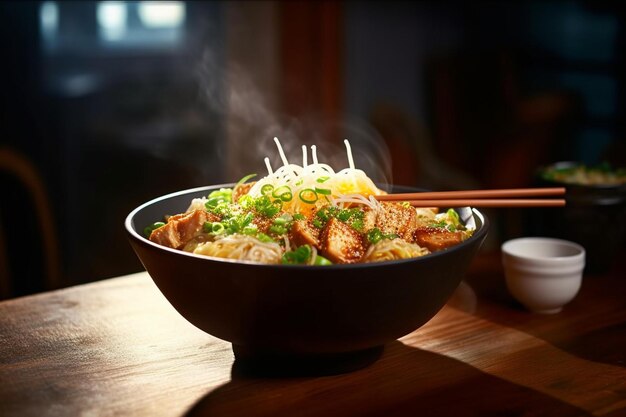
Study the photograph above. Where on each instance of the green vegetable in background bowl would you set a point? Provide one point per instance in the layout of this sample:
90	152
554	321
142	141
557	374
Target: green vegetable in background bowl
581	174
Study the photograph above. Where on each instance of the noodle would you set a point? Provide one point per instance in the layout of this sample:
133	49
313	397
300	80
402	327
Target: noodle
242	248
342	199
389	250
316	176
197	204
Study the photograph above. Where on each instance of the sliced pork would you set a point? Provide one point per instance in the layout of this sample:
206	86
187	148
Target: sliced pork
341	243
181	228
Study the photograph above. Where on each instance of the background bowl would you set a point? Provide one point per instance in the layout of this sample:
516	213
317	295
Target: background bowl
594	217
296	311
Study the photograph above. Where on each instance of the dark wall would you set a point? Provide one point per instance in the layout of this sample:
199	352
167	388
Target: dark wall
106	129
486	79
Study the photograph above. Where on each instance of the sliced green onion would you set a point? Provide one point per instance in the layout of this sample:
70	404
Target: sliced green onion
454	217
264	238
278	229
247	218
221	195
266	207
267	189
374	235
299	256
149	229
270	211
344	215
216	228
357	225
250	230
244	179
320	260
308	195
323	191
298	216
246	201
322	180
277	206
280	221
323	214
283	193
326	213
213	201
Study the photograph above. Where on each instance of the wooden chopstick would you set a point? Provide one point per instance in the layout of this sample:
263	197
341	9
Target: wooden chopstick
481	198
478	202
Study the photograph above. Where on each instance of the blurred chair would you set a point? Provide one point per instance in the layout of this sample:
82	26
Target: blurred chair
16	165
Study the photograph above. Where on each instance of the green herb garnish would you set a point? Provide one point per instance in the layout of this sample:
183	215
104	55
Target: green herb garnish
149	229
298	256
375	236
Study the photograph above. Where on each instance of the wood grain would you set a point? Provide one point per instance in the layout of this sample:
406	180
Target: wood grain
116	347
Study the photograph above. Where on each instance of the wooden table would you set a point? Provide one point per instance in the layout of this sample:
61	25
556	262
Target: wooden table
116	347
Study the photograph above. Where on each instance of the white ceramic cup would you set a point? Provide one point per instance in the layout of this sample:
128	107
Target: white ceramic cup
543	273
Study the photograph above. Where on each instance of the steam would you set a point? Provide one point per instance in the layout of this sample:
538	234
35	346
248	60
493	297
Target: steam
250	114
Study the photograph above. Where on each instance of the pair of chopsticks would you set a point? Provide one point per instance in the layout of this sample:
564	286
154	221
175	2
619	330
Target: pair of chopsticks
515	197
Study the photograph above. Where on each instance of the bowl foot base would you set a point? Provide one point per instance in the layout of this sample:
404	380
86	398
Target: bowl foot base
547	311
262	363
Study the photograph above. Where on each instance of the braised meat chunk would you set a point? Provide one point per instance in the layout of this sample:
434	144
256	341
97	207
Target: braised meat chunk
437	238
181	228
304	233
394	218
341	243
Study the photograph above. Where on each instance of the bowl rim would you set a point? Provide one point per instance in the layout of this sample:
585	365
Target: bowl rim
478	234
507	250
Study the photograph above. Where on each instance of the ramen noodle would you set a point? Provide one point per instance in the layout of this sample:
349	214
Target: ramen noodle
308	214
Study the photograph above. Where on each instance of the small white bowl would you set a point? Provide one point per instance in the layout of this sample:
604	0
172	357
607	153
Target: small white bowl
542	273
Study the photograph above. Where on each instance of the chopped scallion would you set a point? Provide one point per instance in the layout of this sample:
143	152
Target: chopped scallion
267	189
308	195
243	180
320	260
283	193
300	255
149	229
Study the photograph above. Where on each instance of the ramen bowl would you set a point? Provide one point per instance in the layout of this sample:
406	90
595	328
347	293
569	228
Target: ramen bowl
320	318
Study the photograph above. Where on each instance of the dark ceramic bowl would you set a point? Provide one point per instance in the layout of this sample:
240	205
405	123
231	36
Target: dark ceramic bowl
296	311
594	216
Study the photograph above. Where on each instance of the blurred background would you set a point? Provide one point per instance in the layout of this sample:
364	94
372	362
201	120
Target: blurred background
106	104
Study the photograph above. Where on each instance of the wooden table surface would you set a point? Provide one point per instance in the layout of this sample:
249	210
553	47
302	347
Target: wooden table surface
116	347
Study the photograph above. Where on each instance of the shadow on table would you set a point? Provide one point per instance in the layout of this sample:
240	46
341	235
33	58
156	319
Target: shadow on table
599	299
405	382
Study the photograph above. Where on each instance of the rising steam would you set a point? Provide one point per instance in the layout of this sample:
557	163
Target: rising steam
252	120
